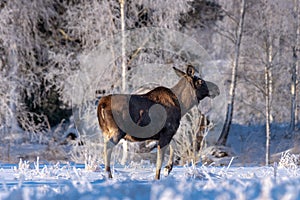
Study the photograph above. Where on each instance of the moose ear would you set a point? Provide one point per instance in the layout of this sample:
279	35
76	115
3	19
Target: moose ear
190	71
178	72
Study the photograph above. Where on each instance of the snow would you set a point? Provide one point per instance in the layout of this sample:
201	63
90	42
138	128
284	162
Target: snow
240	175
73	181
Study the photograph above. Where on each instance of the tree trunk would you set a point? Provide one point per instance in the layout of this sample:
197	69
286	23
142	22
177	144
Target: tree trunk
267	104
225	131
123	43
294	68
123	49
10	118
268	89
293	92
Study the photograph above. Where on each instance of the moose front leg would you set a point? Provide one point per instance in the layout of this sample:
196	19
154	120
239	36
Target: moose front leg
169	166
159	160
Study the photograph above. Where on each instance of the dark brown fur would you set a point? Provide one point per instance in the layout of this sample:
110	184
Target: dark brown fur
139	113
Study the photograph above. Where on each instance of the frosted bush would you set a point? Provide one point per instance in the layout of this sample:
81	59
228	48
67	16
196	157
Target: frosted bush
289	160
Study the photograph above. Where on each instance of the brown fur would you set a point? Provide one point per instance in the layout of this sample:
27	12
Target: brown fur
176	102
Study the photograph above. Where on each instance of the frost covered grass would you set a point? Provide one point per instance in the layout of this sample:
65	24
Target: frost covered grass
72	181
33	179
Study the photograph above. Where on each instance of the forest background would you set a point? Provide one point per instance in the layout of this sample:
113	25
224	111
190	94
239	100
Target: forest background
41	43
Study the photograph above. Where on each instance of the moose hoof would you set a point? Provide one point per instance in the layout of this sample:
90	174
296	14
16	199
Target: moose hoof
108	171
167	170
109	175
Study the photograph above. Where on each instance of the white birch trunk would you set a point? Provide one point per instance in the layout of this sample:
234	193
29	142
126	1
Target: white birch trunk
270	79
123	51
225	132
268	82
123	48
267	112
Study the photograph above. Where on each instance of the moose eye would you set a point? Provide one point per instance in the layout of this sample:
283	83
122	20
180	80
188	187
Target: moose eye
198	82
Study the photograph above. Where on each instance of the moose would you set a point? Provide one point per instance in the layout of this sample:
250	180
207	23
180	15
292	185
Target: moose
117	112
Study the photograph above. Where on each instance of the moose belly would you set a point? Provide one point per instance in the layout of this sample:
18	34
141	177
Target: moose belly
137	139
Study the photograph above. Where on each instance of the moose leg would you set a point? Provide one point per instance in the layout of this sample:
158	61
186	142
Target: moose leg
109	143
159	160
108	147
169	166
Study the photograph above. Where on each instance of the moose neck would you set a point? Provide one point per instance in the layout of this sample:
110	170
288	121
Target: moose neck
186	95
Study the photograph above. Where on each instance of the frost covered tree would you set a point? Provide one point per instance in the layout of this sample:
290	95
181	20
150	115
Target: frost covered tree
30	37
43	44
237	44
262	93
250	101
295	66
265	62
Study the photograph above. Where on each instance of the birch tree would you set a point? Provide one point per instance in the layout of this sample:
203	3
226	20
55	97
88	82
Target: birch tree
295	66
268	96
123	49
265	63
235	63
268	46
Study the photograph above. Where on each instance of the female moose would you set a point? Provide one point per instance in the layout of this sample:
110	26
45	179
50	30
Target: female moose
152	116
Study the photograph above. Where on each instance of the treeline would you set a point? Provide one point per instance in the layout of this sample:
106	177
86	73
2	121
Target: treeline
41	40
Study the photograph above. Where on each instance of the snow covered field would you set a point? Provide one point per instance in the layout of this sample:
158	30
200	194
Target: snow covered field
36	181
245	177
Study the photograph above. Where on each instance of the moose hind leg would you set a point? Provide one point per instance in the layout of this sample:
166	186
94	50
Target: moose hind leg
159	160
108	147
109	144
169	166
